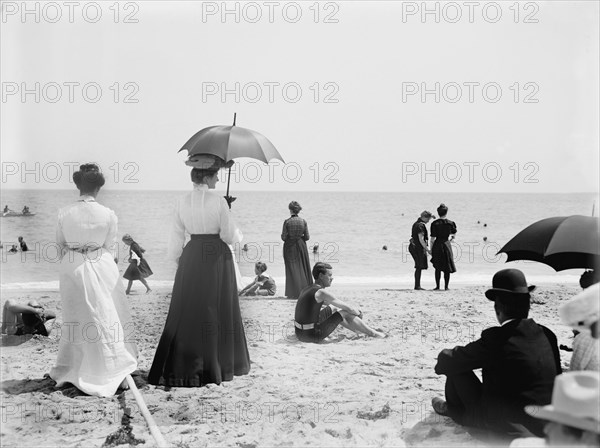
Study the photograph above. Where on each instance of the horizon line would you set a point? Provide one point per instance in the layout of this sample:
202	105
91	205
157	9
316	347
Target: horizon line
318	191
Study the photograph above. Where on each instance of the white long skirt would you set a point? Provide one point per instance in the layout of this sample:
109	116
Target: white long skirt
97	348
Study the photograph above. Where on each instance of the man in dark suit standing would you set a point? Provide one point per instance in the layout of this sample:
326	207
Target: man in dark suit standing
519	361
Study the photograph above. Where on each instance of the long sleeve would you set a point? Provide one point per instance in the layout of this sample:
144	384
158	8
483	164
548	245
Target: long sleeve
176	236
554	344
135	247
284	231
463	359
60	237
110	243
306	236
229	231
585	353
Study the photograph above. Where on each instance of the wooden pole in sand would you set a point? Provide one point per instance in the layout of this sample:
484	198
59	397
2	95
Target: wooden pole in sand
160	440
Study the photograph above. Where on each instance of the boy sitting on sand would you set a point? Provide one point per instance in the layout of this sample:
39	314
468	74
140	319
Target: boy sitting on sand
313	323
19	320
263	284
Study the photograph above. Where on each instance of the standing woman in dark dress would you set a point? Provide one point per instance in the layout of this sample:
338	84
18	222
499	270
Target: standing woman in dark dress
295	254
203	340
135	271
442	259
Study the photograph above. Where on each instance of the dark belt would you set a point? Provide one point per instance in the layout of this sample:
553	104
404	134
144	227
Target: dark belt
202	236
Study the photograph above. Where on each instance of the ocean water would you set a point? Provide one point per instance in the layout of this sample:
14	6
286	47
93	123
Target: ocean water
350	228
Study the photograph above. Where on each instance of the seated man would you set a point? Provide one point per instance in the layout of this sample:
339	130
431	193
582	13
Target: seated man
19	320
314	324
263	284
519	361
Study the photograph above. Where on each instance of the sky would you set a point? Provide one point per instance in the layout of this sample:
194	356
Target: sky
356	96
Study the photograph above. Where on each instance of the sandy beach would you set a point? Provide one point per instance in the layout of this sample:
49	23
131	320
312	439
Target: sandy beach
349	391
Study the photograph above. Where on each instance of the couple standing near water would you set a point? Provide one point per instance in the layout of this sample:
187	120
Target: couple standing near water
203	340
442	234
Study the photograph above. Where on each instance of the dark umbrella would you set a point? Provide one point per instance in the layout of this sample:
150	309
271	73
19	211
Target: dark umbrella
231	142
562	242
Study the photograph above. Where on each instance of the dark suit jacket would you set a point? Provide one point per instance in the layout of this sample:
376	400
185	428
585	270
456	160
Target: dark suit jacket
519	362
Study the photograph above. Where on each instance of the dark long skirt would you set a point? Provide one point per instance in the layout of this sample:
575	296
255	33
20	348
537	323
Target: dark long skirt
297	267
441	257
203	340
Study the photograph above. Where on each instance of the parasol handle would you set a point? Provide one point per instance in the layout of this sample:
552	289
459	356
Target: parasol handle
234	116
229	177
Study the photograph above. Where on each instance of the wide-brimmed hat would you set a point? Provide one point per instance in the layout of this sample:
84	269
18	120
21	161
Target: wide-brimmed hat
575	401
508	282
582	310
207	162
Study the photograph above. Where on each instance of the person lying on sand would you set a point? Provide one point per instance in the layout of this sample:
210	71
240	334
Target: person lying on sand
32	318
263	284
319	312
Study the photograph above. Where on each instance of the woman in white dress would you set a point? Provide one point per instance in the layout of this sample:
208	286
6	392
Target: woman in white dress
96	350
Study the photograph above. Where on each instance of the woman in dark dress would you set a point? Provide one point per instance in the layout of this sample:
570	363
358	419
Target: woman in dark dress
442	233
135	271
203	340
295	253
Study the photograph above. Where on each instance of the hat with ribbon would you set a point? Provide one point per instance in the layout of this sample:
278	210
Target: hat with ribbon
207	162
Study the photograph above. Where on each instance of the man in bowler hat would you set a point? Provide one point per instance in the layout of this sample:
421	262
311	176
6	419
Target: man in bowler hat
519	361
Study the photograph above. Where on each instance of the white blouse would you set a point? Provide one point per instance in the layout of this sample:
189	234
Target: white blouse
86	224
201	212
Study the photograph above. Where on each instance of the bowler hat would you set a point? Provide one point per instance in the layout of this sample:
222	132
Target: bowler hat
508	281
575	401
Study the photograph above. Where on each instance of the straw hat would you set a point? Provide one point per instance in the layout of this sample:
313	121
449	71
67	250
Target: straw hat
575	401
207	162
582	310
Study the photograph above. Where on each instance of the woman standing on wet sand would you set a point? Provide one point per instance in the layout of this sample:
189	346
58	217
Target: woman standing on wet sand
295	254
442	259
